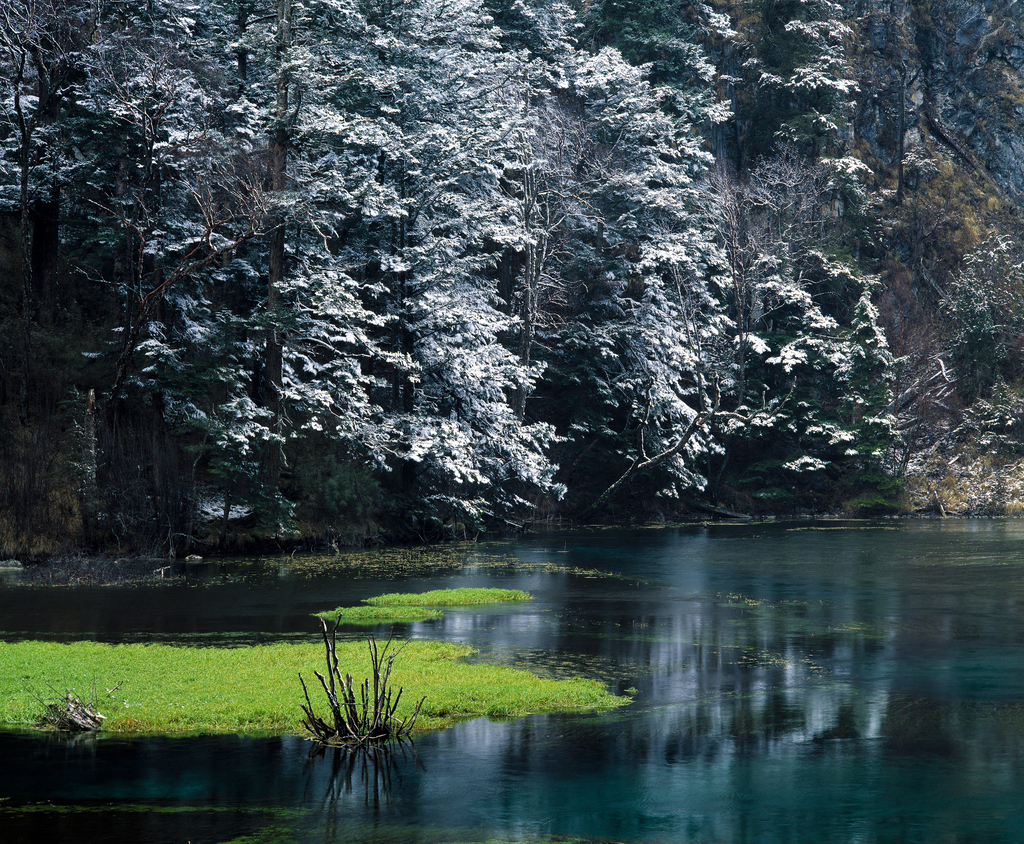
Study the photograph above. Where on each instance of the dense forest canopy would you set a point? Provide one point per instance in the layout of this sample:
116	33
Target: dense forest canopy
361	270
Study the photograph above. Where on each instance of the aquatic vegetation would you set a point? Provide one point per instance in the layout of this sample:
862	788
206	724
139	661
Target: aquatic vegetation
251	690
391	561
78	569
797	618
534	839
398	607
381	615
431	560
449	597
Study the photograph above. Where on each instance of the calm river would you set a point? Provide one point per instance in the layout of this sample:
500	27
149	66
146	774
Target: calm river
803	682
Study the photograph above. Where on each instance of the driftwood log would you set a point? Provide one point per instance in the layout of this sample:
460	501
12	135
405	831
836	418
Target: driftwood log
71	715
364	720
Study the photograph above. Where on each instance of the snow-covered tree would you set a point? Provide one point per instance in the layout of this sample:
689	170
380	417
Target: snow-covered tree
164	176
803	325
985	315
635	353
39	58
461	249
429	127
785	71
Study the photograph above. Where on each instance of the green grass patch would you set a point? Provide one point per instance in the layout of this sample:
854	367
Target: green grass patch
380	615
256	690
397	607
449	597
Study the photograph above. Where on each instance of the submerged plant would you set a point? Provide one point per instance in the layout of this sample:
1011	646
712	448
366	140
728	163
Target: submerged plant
368	721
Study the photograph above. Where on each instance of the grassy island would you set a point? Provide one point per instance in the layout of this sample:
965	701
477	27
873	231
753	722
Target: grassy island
449	597
398	607
368	615
256	690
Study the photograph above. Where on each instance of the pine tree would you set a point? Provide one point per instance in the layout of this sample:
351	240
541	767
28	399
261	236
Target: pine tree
39	50
427	126
636	353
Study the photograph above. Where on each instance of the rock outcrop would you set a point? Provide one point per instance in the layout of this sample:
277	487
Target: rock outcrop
957	67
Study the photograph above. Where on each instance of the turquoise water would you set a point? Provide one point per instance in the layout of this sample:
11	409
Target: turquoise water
811	682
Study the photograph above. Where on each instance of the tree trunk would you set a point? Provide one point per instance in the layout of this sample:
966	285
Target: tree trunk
273	372
45	251
89	505
902	129
537	224
245	8
638	466
26	284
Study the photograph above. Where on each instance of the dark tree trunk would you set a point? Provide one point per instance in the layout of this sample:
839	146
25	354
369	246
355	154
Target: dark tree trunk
45	220
273	374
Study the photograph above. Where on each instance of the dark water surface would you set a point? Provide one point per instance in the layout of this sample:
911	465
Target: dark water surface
819	682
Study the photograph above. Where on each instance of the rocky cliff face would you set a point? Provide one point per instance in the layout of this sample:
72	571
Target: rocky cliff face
973	81
939	119
957	67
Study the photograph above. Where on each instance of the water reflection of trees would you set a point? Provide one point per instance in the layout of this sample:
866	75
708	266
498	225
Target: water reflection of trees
368	772
976	732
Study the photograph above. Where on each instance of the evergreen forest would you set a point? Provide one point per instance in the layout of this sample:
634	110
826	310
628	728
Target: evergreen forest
322	272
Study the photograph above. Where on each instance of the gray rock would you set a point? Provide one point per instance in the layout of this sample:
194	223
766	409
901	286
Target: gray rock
964	66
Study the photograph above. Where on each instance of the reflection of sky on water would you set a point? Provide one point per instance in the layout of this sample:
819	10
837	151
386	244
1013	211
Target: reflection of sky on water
808	684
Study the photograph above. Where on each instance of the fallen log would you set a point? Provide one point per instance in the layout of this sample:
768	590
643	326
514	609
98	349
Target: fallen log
719	511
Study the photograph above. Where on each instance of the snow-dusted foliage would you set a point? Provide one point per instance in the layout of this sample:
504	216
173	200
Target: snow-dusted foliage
790	80
430	125
641	332
803	324
453	259
983	305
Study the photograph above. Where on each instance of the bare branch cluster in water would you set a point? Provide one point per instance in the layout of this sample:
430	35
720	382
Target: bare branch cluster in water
369	720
